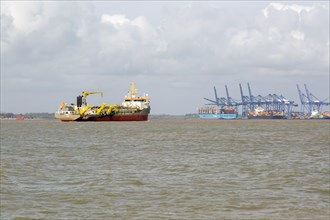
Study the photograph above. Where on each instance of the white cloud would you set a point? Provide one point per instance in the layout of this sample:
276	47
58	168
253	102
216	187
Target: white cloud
283	7
298	35
116	20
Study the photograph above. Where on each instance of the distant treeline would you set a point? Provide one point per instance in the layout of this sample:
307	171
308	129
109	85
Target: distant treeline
42	115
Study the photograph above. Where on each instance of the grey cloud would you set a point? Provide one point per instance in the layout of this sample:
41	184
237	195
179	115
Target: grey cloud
194	46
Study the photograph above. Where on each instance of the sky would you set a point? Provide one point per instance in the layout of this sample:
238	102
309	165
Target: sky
175	51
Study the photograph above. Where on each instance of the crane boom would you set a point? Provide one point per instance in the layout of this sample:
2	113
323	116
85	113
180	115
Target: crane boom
85	94
99	110
228	98
84	110
216	96
81	100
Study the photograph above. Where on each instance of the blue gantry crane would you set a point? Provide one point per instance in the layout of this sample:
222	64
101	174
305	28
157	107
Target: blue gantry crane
222	101
270	103
244	103
213	102
232	102
310	103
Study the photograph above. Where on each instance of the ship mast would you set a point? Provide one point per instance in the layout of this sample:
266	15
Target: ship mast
133	91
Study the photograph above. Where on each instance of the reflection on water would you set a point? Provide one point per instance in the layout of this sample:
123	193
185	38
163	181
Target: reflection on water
165	169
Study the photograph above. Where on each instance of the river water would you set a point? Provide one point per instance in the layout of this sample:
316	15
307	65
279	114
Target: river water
165	169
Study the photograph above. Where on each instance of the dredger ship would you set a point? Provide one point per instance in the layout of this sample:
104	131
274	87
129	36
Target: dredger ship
133	108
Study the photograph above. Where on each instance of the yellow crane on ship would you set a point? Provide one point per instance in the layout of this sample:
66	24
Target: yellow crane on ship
85	94
84	110
112	108
99	110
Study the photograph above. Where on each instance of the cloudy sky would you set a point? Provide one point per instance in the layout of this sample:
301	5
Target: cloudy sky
176	52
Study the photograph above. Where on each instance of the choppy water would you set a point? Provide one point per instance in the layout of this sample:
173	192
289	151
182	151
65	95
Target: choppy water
165	169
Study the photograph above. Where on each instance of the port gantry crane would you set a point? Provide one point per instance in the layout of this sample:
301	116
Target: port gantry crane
216	101
255	101
310	103
247	102
222	101
271	102
252	99
302	101
244	102
231	102
279	103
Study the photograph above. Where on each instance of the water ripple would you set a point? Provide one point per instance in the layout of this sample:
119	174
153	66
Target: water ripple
165	169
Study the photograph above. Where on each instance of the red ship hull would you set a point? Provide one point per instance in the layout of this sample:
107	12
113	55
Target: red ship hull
137	117
117	118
